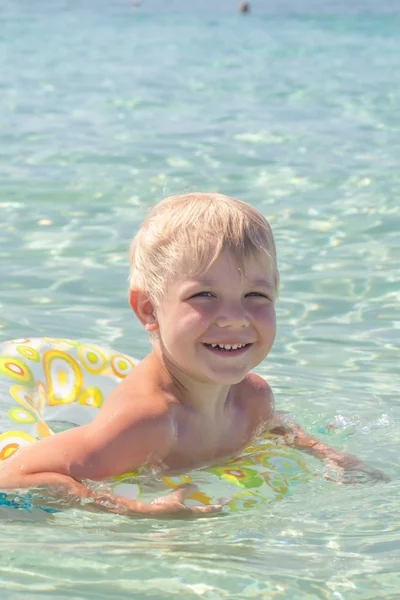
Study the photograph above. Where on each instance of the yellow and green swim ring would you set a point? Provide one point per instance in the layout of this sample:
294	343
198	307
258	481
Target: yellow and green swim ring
48	385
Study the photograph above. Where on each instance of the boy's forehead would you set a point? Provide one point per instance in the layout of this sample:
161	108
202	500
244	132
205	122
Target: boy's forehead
255	266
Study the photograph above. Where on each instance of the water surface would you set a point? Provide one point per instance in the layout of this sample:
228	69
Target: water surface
106	108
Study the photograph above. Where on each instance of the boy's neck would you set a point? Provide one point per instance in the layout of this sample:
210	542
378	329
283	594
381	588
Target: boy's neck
206	398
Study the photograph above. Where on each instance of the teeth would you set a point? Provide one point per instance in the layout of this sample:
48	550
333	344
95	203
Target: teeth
228	346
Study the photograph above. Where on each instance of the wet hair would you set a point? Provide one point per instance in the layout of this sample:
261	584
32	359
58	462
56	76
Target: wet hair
189	232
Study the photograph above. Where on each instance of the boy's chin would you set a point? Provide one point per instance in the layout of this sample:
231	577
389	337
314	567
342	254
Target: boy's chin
226	378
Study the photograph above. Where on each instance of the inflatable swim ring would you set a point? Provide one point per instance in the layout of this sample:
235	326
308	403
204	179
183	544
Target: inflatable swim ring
56	384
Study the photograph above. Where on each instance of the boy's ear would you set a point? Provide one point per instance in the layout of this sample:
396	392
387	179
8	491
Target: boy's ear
144	309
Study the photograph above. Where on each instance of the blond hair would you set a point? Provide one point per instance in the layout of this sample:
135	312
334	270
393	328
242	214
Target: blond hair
193	229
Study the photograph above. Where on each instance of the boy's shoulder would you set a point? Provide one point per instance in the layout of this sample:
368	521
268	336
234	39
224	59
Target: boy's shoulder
255	395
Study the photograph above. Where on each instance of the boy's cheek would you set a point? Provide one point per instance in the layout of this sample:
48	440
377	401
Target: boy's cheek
266	319
270	317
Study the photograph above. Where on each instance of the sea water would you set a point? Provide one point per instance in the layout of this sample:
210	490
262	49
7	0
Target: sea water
106	107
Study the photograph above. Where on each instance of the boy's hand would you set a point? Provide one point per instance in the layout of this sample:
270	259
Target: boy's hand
343	468
172	505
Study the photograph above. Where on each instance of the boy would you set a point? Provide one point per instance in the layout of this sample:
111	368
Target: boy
203	283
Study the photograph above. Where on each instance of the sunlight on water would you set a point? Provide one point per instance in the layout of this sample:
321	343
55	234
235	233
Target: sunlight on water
293	108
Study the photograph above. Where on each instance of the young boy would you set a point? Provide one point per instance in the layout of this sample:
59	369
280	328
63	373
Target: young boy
203	283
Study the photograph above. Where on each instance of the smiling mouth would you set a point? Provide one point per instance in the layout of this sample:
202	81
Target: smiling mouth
227	348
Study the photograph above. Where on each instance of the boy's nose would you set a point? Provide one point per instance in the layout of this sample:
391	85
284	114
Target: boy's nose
233	316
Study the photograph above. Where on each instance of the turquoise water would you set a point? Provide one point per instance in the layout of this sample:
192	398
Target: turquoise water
105	108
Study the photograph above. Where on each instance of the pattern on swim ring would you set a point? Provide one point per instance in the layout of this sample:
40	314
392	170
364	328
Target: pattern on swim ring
63	377
277	460
16	369
21	415
130	490
91	396
23	396
121	365
246	500
43	430
40	396
10	441
28	352
173	482
121	485
241	476
92	359
30	413
22	502
276	482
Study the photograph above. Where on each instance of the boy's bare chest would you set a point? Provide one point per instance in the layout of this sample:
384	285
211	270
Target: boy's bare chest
199	443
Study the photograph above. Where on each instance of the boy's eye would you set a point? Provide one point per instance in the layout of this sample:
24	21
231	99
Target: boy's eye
259	295
202	295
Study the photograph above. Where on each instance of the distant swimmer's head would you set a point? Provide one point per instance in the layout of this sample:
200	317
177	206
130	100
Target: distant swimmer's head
244	7
188	233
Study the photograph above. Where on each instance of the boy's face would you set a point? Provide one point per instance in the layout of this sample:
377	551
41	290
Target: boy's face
216	327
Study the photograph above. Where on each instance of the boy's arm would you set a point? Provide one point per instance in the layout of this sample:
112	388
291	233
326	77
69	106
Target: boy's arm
349	468
346	467
55	467
52	490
